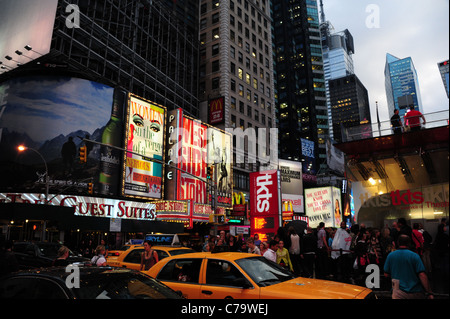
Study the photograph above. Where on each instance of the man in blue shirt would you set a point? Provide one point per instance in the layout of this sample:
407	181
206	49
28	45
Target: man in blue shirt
409	280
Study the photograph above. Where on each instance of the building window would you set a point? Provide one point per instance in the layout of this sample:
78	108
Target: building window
215	66
240	74
215	83
215	49
215	18
215	34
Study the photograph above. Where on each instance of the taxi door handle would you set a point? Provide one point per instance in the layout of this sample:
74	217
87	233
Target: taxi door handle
124	266
207	292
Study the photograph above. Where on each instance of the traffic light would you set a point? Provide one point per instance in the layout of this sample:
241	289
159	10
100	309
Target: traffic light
209	171
90	188
83	154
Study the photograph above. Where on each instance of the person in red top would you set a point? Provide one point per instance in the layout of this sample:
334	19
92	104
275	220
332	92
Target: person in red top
412	119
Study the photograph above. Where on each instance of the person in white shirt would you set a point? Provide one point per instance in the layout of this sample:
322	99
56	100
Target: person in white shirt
99	258
271	254
252	248
294	250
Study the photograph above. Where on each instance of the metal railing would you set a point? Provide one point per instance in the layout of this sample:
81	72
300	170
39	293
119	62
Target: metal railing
384	128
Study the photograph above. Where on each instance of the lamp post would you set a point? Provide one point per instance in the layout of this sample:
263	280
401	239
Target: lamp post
22	148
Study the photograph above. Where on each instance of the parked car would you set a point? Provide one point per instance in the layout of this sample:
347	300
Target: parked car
131	257
243	276
40	254
94	283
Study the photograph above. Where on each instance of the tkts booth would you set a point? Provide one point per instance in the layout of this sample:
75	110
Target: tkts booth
265	197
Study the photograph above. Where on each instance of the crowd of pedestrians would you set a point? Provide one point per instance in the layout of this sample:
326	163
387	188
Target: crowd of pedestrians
343	254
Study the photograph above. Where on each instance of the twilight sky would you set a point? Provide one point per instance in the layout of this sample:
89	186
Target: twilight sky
404	28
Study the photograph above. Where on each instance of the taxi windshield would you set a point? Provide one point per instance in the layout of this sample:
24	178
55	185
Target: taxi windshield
264	272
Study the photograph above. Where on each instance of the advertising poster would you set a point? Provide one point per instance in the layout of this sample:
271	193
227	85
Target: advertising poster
145	128
308	165
192	146
292	184
219	153
323	204
51	115
264	203
193	160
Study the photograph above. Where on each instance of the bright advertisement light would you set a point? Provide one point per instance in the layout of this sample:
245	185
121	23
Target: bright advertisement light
144	136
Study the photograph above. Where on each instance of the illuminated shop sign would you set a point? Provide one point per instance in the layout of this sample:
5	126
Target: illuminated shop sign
90	206
265	202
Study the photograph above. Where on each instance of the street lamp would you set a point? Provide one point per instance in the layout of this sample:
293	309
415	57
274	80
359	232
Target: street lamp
23	148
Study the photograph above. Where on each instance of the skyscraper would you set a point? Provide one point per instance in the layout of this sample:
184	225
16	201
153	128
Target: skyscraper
300	83
347	98
236	74
443	69
402	84
337	50
349	109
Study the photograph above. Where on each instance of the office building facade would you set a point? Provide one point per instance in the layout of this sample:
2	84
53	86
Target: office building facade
443	69
402	85
350	109
300	83
236	75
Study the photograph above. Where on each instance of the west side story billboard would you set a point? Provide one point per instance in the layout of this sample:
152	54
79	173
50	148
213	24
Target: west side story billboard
191	147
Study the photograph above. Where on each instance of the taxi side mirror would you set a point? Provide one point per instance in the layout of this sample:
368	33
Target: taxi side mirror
242	282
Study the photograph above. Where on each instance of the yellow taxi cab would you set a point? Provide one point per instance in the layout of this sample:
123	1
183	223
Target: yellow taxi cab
229	275
131	257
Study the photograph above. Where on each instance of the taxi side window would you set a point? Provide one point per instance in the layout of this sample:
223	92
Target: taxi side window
161	254
181	270
221	272
134	257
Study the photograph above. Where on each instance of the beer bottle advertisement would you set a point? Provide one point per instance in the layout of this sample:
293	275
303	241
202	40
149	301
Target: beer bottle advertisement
110	158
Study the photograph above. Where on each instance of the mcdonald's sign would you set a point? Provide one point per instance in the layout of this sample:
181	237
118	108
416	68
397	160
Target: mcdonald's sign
216	110
238	198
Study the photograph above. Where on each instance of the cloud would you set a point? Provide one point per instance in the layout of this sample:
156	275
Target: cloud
63	104
408	28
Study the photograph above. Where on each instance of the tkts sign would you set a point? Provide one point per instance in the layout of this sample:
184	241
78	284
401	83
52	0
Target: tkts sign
265	202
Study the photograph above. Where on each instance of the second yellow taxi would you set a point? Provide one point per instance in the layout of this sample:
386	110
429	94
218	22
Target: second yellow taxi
130	255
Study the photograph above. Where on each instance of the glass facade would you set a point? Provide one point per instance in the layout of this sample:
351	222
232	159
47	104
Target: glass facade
402	85
302	110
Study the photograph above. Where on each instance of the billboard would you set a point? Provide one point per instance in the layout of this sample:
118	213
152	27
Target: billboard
292	184
144	139
191	147
309	161
323	204
52	115
265	202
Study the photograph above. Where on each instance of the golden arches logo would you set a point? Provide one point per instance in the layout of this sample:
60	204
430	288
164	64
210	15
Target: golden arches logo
216	105
238	198
287	206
